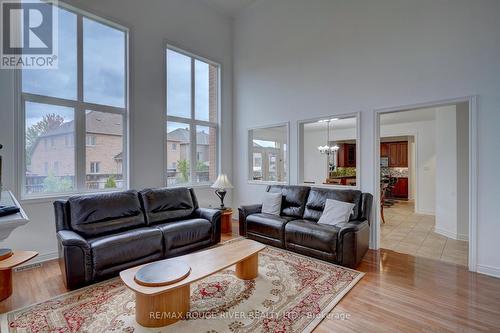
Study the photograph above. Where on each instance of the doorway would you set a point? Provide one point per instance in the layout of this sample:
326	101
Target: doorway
425	207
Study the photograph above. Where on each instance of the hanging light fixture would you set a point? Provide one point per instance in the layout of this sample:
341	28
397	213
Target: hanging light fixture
329	150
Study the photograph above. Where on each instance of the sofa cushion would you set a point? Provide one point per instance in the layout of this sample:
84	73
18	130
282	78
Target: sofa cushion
104	213
267	224
310	234
294	199
163	205
127	247
185	232
317	199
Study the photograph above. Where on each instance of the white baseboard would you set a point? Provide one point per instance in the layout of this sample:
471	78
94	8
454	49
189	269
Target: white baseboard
488	270
41	258
451	235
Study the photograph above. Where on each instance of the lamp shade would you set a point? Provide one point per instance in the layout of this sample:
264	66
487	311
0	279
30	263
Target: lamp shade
222	182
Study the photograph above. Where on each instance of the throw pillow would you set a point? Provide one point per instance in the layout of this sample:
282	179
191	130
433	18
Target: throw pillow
336	212
271	203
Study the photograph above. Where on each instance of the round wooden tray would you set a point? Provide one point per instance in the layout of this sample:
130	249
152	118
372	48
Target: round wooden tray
162	273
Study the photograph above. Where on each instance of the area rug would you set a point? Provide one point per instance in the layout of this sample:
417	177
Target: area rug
292	293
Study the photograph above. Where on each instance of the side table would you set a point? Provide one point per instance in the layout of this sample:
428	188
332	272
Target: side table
226	223
6	266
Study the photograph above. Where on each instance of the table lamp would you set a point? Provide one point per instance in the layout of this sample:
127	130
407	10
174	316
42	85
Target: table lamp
221	184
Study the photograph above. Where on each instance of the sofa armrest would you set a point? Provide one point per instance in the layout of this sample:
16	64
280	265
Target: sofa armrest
243	212
75	259
353	240
61	214
214	216
351	226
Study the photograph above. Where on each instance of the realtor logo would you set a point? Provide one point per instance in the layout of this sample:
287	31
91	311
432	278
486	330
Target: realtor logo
29	34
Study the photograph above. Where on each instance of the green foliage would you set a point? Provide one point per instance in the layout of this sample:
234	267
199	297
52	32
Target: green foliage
110	183
201	166
183	167
56	184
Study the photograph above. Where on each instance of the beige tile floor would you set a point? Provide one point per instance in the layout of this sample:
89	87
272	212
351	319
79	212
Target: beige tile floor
410	233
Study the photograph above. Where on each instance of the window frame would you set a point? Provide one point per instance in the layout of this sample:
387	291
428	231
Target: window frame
300	152
250	153
192	121
79	107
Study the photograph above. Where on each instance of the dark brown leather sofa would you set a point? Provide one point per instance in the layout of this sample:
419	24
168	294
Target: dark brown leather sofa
100	235
296	228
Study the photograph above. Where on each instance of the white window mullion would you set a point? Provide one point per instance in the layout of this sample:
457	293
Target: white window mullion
192	127
80	142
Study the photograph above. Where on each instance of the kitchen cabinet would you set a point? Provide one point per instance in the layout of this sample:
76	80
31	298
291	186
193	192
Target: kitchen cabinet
397	153
384	150
400	189
347	155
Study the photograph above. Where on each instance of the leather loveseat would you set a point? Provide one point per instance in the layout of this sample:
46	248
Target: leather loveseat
296	228
100	235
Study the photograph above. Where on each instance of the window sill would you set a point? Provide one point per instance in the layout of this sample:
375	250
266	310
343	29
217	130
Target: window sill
59	196
195	186
334	186
264	182
64	196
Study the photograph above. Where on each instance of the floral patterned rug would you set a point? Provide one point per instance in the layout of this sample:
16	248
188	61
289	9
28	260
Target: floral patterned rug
292	293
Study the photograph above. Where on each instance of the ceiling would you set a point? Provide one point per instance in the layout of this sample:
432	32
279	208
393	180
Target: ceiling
229	7
408	116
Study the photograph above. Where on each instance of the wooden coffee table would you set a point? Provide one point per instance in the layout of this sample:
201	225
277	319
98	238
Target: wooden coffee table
165	305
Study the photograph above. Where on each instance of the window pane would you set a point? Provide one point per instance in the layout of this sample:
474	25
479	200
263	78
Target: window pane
50	153
205	91
206	154
268	154
104	150
178	153
178	84
59	82
103	64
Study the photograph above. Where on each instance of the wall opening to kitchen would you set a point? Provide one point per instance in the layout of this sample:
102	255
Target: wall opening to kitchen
424	182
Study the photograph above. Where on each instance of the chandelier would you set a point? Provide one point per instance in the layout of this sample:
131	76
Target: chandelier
327	149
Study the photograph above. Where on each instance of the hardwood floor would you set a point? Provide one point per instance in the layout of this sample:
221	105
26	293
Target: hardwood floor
399	293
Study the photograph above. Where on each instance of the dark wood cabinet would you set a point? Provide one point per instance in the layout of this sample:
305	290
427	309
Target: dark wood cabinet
400	190
384	150
397	153
347	155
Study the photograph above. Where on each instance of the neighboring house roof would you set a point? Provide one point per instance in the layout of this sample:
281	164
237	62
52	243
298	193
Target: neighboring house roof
96	123
182	135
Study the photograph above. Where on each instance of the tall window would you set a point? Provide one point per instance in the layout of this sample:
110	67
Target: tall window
191	120
77	114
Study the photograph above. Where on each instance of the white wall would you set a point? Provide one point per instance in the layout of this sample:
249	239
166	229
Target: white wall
452	171
184	23
446	171
303	59
315	163
425	164
463	170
